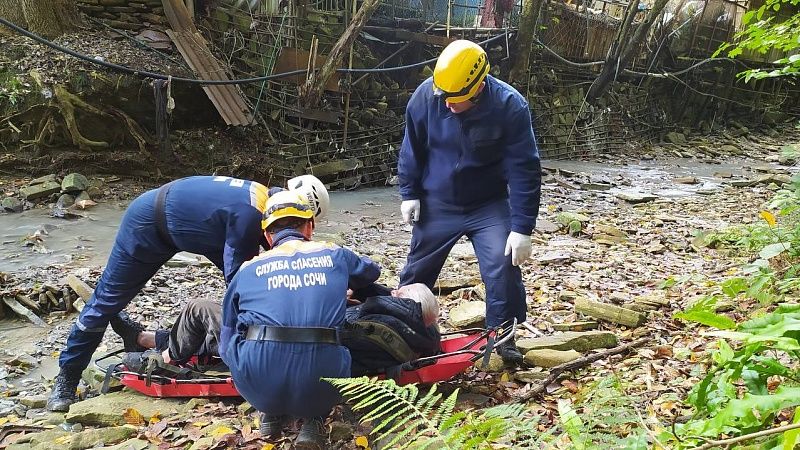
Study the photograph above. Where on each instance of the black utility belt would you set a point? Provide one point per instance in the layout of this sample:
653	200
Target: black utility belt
311	335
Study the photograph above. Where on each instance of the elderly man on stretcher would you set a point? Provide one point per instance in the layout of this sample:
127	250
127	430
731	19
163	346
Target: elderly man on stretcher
385	328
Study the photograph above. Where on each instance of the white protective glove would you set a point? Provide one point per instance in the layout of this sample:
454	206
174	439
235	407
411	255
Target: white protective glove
410	211
519	247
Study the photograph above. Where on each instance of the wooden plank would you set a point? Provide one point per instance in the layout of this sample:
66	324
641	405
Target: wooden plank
295	58
227	99
405	35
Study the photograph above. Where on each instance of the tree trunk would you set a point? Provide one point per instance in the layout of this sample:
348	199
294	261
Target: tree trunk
311	91
527	32
611	67
627	52
48	18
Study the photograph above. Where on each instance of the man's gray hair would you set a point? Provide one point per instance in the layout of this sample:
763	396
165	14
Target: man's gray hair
421	294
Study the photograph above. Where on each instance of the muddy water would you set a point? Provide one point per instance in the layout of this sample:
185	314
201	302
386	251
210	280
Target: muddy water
87	241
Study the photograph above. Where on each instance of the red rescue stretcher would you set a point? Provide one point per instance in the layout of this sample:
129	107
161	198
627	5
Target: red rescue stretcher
460	350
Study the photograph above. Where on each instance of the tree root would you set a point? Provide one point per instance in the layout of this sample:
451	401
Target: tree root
67	103
63	112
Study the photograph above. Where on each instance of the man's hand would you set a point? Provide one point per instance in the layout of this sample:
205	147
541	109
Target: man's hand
410	211
519	247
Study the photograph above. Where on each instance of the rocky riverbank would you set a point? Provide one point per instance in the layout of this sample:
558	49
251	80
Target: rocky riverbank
618	249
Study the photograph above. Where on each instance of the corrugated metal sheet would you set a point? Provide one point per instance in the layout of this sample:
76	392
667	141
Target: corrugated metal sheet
227	99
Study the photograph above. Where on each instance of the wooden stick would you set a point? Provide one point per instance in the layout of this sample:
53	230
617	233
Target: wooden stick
724	442
577	364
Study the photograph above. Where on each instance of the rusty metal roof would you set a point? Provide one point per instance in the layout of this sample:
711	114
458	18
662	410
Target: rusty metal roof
228	99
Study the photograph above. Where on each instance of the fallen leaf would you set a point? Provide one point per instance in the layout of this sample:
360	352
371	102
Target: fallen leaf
268	447
362	442
768	217
83	204
221	431
133	417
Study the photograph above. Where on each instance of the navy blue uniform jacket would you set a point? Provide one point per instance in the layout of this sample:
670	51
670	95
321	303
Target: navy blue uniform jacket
467	160
296	284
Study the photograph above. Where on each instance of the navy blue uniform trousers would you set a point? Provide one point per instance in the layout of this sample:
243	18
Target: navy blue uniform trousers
487	226
137	255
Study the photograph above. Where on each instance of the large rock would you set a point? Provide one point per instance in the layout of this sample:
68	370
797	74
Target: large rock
107	409
36	401
566	217
633	196
582	341
74	182
42	190
673	137
65	201
550	358
610	313
530	376
11	204
467	314
596	186
495	364
335	167
609	230
44	179
555	257
58	439
575	326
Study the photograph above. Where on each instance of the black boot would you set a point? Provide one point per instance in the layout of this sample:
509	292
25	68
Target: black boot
312	435
63	393
510	353
128	329
271	426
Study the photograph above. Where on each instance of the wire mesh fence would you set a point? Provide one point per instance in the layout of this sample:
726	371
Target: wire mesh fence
278	37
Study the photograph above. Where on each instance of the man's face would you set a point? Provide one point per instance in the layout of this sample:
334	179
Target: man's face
460	107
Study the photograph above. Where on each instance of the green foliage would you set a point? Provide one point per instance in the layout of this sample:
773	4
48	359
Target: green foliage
410	422
608	418
703	312
12	90
765	30
734	397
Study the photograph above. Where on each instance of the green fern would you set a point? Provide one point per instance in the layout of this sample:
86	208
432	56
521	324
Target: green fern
430	421
415	422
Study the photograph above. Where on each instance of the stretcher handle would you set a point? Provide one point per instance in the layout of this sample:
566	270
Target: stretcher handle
506	335
211	380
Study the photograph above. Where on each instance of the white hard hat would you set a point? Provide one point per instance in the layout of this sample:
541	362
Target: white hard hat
310	187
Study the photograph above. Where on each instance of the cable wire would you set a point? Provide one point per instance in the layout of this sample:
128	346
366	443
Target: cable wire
158	76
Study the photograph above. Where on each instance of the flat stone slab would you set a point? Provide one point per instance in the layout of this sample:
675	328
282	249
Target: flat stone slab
631	196
550	358
59	439
467	314
42	190
582	341
575	326
108	409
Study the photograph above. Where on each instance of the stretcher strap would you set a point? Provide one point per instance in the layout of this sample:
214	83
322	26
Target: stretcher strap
161	214
383	336
292	334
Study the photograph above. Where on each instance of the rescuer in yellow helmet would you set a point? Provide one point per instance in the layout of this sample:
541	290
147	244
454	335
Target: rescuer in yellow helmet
469	165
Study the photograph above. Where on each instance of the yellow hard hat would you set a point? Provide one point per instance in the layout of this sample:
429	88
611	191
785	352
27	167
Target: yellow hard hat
459	71
286	204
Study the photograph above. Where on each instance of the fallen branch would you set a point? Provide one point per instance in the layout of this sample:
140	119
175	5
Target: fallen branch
556	371
735	440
